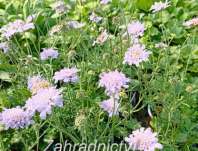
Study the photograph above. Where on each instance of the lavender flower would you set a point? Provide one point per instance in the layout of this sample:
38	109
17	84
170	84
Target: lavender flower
66	75
15	118
192	22
30	18
48	53
101	38
75	24
111	106
104	2
135	29
4	46
43	101
143	139
36	83
60	7
94	18
113	82
158	6
135	55
17	26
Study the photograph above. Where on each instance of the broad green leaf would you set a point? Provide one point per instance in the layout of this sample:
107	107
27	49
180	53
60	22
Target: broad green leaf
144	4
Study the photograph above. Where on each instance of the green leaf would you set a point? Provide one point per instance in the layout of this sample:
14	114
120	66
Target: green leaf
182	137
144	4
8	68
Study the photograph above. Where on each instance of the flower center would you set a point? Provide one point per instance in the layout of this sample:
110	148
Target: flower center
136	54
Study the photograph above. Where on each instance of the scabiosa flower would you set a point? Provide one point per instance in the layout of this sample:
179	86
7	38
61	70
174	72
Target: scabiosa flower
158	6
36	83
101	38
113	82
66	75
136	29
17	26
192	22
60	7
144	140
15	118
75	24
44	101
104	2
135	55
48	53
111	106
4	46
94	18
30	18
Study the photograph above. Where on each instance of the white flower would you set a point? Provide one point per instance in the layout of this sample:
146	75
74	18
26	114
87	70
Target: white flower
144	140
157	6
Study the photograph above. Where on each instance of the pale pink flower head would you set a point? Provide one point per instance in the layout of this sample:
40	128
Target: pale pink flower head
113	82
31	18
144	140
44	101
136	29
18	26
192	22
66	75
15	118
104	2
101	38
75	24
111	106
60	7
135	55
158	6
94	18
48	53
